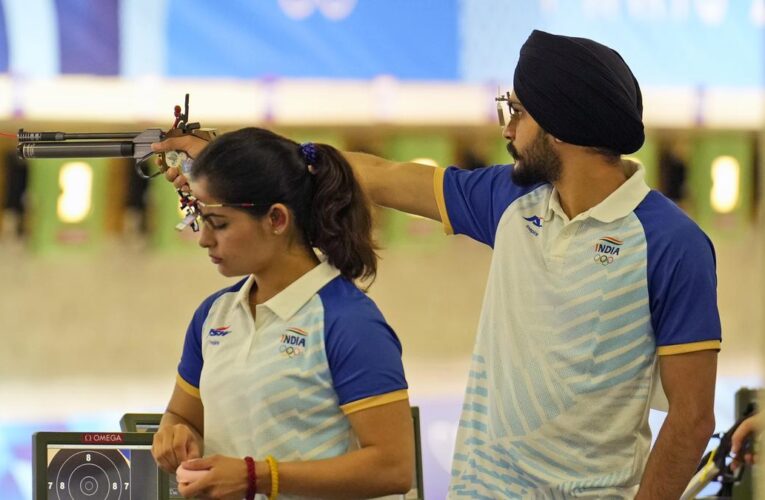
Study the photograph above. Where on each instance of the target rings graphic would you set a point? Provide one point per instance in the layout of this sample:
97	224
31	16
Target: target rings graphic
89	475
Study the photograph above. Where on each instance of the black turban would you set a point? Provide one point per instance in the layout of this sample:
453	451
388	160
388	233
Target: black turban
580	91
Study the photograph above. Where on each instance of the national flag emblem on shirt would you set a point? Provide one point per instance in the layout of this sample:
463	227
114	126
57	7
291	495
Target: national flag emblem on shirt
221	331
292	342
607	249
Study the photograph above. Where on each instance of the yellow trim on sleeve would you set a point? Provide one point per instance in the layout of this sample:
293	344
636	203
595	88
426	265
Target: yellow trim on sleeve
706	345
372	401
188	388
438	191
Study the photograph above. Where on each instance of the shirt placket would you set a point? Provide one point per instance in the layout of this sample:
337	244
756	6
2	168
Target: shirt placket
258	324
559	242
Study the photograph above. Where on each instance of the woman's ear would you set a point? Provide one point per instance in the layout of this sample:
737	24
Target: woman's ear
279	218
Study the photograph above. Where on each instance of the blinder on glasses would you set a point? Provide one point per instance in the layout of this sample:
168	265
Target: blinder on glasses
191	208
506	112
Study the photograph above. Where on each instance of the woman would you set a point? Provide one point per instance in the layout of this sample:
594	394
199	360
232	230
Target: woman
293	366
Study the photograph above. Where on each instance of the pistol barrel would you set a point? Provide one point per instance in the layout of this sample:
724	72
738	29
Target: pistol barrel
103	149
64	136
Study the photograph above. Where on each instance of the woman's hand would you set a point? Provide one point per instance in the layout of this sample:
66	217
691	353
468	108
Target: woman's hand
226	478
174	444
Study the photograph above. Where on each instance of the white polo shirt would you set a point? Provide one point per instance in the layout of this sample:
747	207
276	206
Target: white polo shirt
283	383
574	315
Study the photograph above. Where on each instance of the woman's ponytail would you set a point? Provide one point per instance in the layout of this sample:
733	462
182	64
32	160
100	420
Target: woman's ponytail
340	217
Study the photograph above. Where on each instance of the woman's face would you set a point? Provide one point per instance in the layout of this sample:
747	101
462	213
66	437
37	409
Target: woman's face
238	243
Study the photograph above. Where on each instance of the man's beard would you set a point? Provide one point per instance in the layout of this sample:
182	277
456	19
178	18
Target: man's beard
539	163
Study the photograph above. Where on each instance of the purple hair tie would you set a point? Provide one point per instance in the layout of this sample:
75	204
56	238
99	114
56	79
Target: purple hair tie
308	151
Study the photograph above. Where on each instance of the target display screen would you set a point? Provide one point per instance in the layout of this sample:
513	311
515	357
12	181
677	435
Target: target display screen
96	466
149	422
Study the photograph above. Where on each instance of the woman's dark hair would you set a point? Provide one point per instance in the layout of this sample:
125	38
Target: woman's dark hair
331	211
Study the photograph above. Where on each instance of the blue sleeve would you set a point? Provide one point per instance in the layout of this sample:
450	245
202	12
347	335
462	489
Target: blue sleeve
363	352
475	200
190	366
682	280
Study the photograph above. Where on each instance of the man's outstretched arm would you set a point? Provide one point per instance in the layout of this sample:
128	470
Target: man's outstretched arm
403	186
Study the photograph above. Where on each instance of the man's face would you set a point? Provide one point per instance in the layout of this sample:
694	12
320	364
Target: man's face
538	162
535	158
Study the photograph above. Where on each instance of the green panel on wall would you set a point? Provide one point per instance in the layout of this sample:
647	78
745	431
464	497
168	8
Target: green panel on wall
648	156
54	186
320	137
706	149
437	147
498	155
398	228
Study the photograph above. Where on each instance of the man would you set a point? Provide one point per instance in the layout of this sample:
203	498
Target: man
595	280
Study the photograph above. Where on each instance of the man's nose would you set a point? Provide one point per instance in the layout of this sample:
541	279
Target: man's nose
509	131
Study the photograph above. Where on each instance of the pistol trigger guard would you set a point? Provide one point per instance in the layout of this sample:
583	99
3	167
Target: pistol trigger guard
139	167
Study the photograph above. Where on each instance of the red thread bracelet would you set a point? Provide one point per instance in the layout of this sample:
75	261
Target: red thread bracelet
252	480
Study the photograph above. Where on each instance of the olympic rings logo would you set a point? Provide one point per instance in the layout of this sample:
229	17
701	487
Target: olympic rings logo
603	259
290	351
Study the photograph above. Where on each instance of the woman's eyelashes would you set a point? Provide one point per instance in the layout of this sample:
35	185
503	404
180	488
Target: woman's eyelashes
214	223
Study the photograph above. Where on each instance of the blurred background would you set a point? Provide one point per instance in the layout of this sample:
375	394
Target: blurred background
98	287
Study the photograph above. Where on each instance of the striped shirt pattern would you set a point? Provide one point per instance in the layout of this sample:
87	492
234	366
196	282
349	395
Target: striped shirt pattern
283	383
574	316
